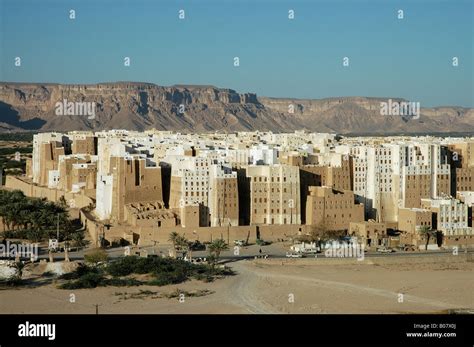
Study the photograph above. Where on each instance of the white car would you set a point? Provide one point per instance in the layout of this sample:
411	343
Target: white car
310	251
198	260
384	250
240	243
293	255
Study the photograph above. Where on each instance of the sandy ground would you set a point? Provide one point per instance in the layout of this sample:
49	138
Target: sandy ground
273	288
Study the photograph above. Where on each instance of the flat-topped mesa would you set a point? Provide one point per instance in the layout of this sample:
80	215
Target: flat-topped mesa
185	94
190	108
322	105
207	93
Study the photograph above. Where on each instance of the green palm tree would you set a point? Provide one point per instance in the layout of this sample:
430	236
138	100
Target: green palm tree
426	232
216	248
182	244
36	216
78	240
173	238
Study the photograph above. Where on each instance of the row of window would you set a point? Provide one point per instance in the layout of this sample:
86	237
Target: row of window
259	179
341	205
225	204
273	190
204	183
421	186
198	172
335	217
460	179
446	220
197	193
264	200
271	210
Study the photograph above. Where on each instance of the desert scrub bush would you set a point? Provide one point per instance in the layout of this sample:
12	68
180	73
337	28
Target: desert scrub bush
137	265
120	282
80	271
11	282
165	271
97	279
128	265
88	280
96	256
166	278
196	293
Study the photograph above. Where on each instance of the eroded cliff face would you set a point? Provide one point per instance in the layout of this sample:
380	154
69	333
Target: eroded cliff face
140	106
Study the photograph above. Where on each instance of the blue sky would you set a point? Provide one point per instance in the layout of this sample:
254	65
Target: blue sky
302	58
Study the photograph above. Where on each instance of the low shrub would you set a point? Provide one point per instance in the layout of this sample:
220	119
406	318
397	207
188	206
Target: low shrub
80	271
121	282
165	271
88	280
137	265
11	282
96	256
166	278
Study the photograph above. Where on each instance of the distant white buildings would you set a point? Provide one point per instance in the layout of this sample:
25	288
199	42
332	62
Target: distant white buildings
452	216
392	175
263	155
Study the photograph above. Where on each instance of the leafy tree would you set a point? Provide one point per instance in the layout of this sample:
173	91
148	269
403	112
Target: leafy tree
216	248
173	238
78	239
34	235
182	243
426	232
96	256
32	218
62	202
321	232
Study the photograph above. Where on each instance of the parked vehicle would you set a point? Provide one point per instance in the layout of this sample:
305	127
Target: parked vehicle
197	246
197	260
294	255
385	250
53	245
305	247
240	243
60	247
309	251
410	248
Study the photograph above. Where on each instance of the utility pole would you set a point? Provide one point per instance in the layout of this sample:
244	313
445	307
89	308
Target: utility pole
218	210
292	202
224	212
57	229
